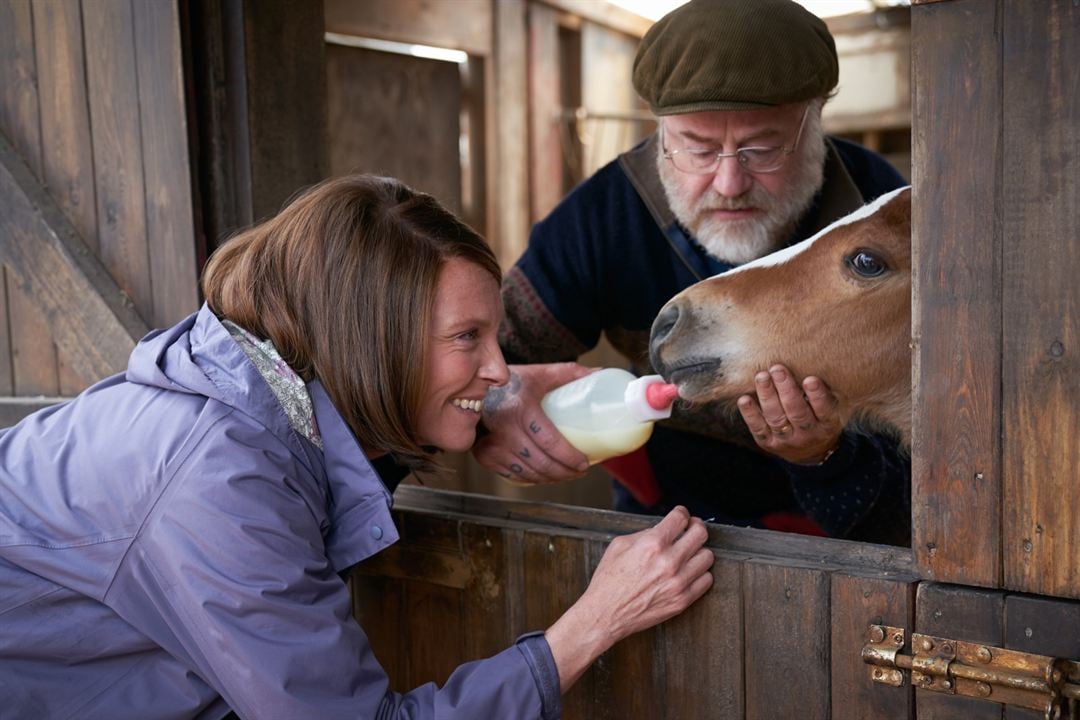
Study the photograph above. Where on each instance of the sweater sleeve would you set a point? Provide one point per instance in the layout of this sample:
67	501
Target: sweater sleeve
230	575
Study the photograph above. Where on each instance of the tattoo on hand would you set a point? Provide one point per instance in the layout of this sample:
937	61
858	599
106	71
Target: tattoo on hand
516	468
534	426
524	452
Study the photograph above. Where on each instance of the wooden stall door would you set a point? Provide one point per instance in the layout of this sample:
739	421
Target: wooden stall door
997	387
778	636
996	457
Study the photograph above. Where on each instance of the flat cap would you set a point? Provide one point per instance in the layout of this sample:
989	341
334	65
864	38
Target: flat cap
734	55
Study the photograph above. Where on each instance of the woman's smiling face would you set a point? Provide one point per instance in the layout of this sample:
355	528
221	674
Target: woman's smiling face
463	357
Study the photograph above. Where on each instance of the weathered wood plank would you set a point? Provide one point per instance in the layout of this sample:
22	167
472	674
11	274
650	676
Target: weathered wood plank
285	68
113	89
411	105
219	91
7	377
30	364
14	409
67	158
1041	298
18	81
545	104
607	61
65	120
786	613
485	612
708	682
606	14
92	320
35	369
474	166
556	574
459	25
378	605
857	603
958	613
407	561
166	163
605	524
430	609
1043	626
601	678
956	322
508	212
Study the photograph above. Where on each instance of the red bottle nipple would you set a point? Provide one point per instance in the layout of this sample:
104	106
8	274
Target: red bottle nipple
660	395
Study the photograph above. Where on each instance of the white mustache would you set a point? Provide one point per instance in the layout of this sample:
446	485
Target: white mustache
723	203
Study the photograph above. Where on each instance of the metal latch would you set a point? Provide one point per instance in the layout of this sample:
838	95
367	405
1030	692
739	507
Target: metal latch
1038	682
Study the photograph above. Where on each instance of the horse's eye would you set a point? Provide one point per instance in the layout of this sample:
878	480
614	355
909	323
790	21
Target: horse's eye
866	263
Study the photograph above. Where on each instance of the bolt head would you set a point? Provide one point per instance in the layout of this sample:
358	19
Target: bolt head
877	634
927	645
984	655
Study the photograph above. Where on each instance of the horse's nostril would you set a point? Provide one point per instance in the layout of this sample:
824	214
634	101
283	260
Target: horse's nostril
663	324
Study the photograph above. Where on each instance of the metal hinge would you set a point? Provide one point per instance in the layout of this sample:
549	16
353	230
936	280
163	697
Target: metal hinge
1038	682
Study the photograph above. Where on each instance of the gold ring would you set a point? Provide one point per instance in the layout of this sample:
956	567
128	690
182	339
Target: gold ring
782	430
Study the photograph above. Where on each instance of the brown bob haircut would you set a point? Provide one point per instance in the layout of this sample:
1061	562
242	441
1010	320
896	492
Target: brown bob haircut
343	281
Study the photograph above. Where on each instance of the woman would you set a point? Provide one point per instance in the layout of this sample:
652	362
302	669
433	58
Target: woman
171	540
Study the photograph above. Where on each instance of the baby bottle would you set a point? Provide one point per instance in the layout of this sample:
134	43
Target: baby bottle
609	412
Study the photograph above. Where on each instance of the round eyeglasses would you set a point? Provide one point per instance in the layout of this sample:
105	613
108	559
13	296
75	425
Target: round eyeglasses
755	159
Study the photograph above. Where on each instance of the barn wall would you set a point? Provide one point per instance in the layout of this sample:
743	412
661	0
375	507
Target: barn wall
106	138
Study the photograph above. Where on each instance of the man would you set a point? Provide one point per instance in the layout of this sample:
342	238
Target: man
738	168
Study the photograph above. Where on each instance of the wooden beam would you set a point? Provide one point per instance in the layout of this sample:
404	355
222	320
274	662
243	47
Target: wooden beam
509	170
459	25
14	409
1040	373
170	233
88	315
604	525
604	13
956	244
285	65
67	157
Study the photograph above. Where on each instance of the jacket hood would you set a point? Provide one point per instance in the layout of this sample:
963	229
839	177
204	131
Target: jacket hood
198	356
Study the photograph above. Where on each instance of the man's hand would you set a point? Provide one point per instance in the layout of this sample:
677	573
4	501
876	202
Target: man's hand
523	445
800	425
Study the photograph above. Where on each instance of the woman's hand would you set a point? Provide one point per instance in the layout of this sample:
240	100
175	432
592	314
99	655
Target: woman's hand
522	444
642	580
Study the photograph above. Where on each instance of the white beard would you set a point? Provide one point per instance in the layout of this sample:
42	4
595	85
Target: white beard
740	241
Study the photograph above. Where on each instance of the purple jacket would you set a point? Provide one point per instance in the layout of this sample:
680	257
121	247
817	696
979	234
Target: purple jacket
170	548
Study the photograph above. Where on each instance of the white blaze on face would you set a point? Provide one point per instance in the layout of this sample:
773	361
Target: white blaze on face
782	256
